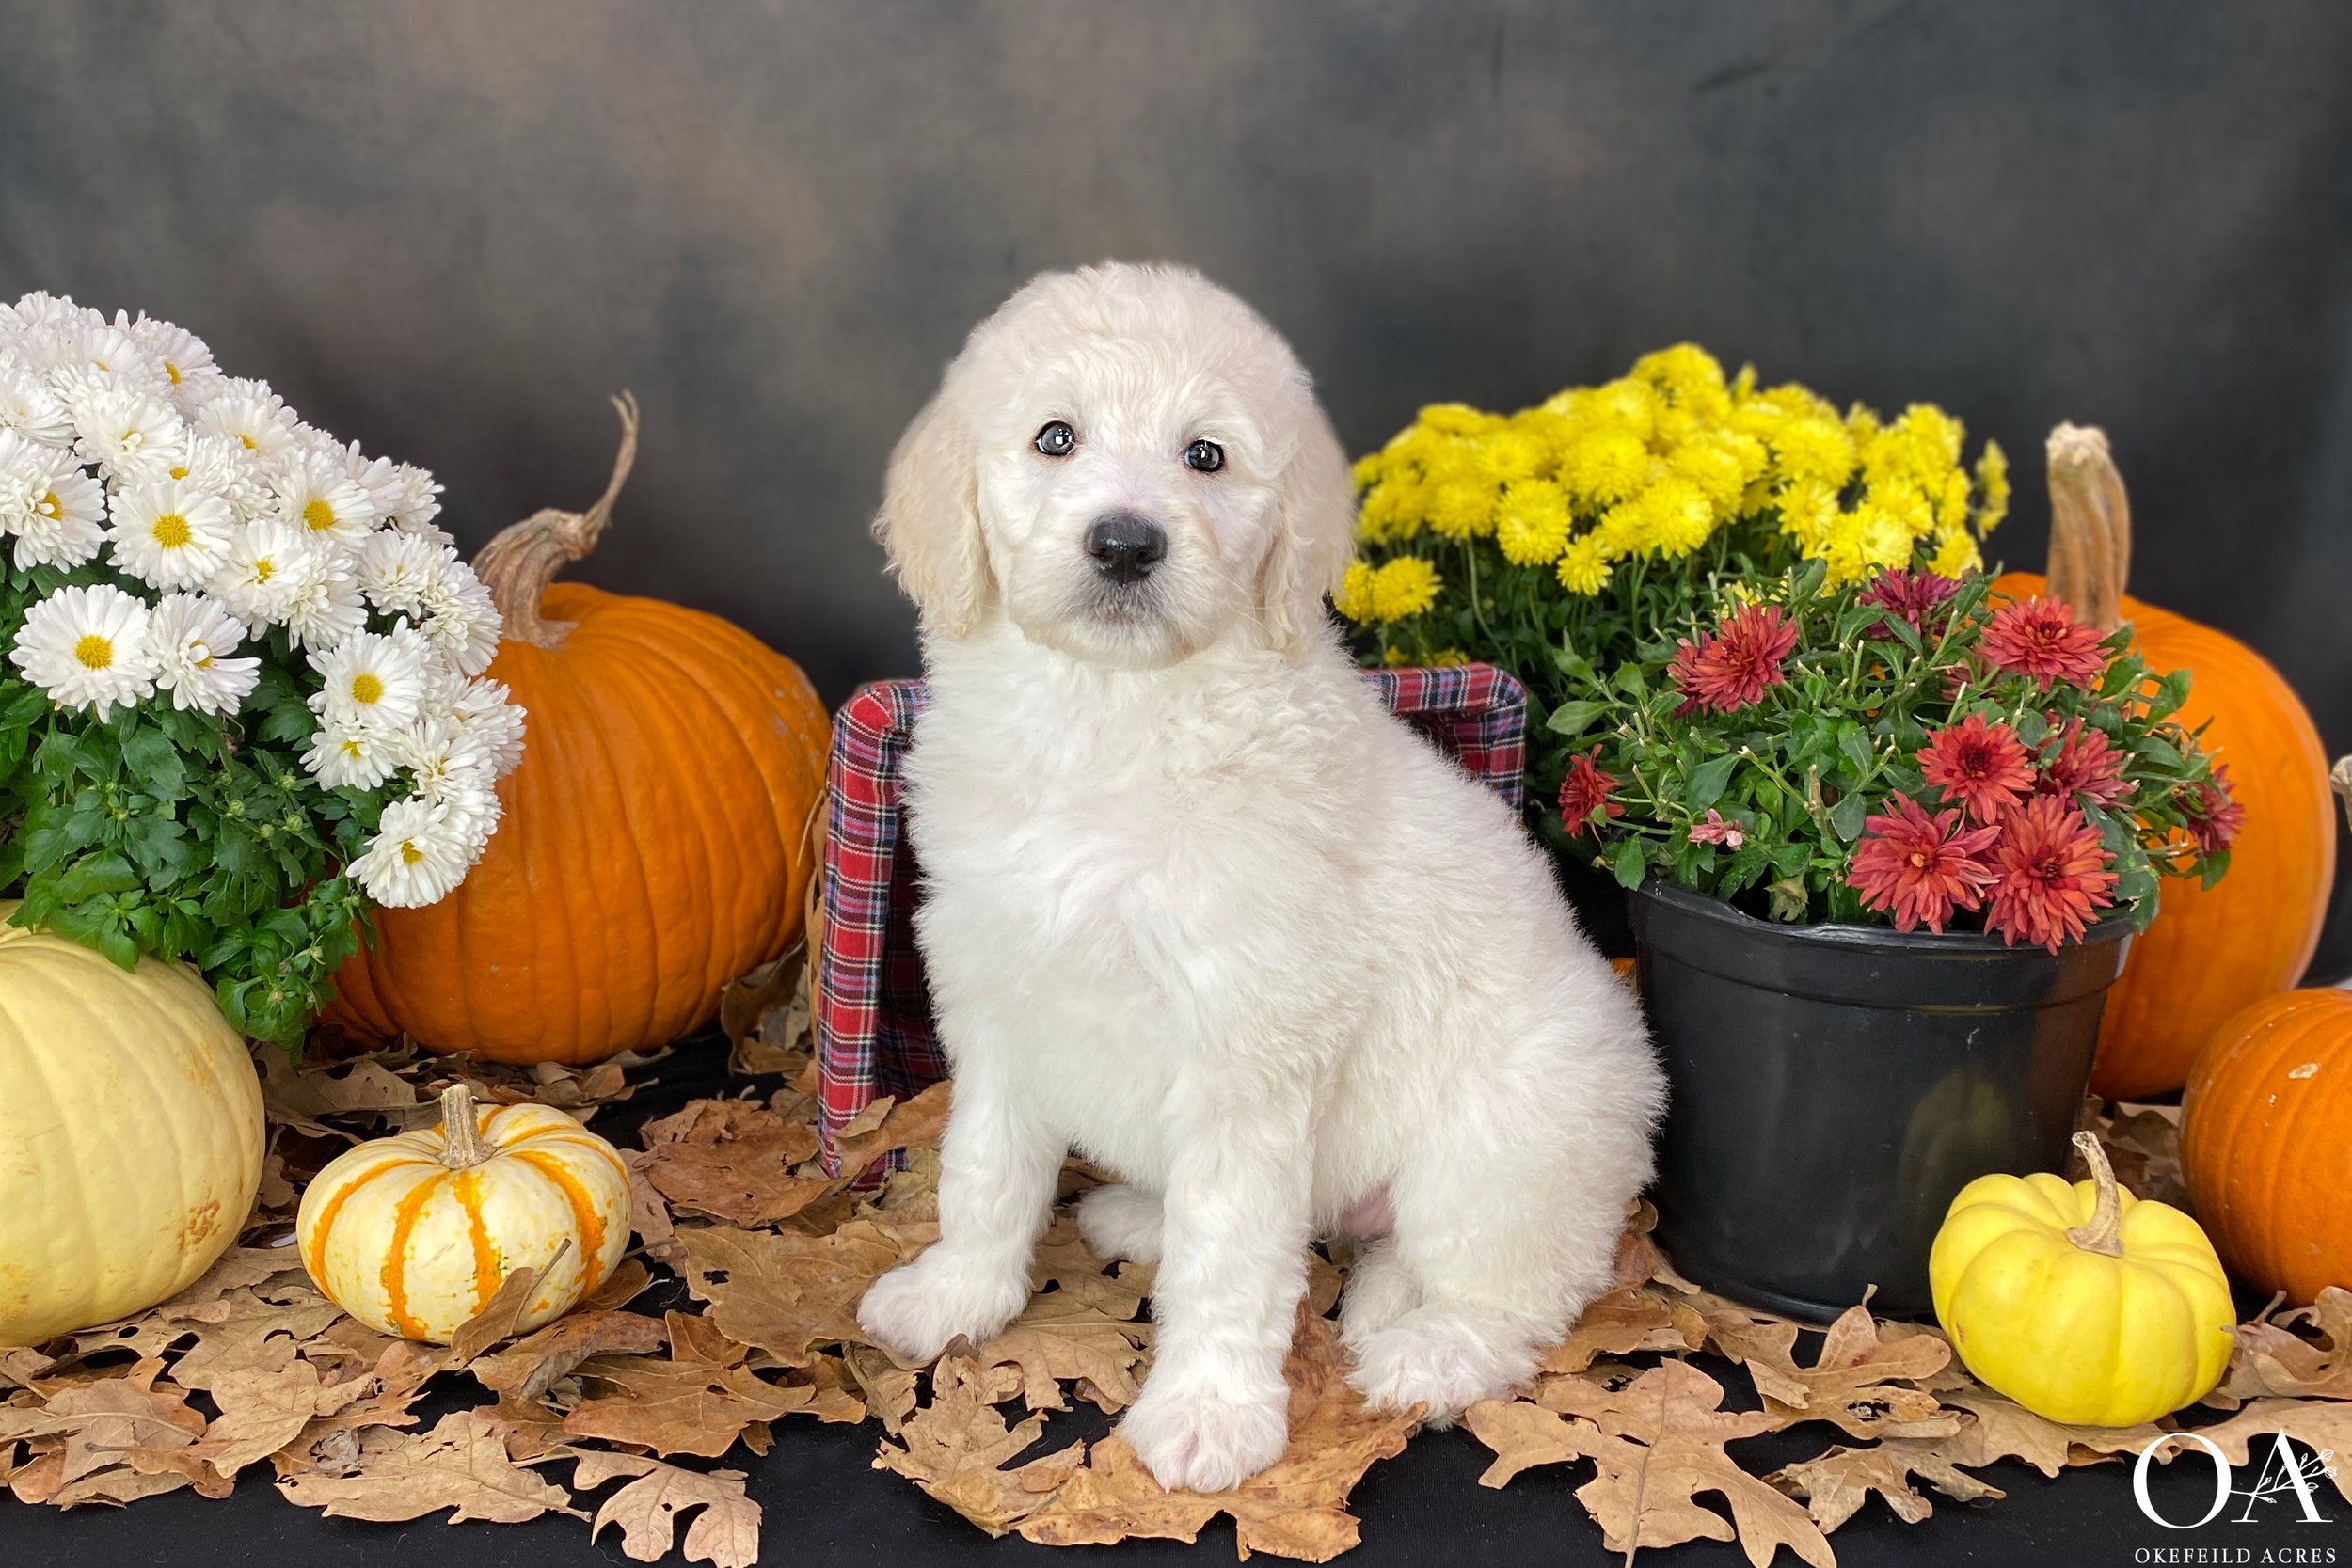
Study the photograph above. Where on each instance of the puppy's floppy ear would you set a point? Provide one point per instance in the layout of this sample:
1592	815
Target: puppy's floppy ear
1315	536
929	521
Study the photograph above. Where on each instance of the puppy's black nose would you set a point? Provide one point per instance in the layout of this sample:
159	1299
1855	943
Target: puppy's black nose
1125	547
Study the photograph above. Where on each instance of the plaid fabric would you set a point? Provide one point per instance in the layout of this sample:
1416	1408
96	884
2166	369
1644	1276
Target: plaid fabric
874	1032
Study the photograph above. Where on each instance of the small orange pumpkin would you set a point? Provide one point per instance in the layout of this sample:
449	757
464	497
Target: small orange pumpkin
2211	950
658	836
2263	1131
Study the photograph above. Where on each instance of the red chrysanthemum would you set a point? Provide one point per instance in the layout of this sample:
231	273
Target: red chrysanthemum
1584	791
2054	875
2214	815
1734	665
1978	766
2087	768
1914	595
2040	638
1919	867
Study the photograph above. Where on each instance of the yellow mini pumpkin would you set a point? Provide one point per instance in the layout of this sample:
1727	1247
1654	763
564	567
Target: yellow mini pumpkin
2081	1302
130	1133
414	1235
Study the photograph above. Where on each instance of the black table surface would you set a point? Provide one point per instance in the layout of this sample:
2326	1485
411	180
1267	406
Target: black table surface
823	1502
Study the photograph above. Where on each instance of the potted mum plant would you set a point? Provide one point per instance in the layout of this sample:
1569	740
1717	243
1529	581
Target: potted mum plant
1888	840
242	702
1557	540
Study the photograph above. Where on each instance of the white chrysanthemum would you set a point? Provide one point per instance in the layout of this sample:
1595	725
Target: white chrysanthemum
351	754
315	493
249	413
221	466
327	608
86	647
398	570
28	406
189	636
267	568
461	622
474	814
41	310
443	756
28	468
130	432
373	676
418	855
171	534
418	502
108	349
483	711
57	522
180	354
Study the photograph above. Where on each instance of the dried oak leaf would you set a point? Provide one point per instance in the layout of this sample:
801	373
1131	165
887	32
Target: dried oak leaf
1834	1485
787	1292
330	1444
2321	1424
298	1097
905	1124
2003	1428
2143	1146
1060	1338
1865	1385
496	1318
955	1448
733	1159
527	1368
1295	1507
725	1534
1628	1319
887	1387
102	1419
1657	1443
690	1407
461	1465
2271	1361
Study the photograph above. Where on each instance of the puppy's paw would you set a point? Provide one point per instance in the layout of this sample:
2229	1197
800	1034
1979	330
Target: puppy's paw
1380	1289
1199	1440
917	1312
1120	1221
1441	1358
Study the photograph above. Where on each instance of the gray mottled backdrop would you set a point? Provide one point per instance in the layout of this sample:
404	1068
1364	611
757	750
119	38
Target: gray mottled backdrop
447	229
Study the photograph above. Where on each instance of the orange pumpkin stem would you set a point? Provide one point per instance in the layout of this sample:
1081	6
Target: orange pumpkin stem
2091	527
517	565
2105	1231
2341	779
462	1143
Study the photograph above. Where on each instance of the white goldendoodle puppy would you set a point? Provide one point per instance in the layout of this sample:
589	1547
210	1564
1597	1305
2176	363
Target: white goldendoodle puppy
1199	907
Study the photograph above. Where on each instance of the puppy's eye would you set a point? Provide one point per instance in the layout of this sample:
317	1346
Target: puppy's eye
1205	457
1056	440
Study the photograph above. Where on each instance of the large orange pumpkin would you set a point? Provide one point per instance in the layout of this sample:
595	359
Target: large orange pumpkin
2211	950
2265	1131
656	839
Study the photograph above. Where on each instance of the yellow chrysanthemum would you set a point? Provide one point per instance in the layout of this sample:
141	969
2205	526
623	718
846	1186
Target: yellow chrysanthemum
1685	370
1507	454
1624	531
1807	512
1458	419
1814	450
1444	657
1531	524
1404	587
1717	461
1604	465
1993	486
1681	517
1461	508
1392	511
1952	512
1369	470
1583	569
1354	598
1956	553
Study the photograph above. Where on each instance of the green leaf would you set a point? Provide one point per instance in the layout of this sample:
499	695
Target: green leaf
1629	863
155	762
1855	745
1707	781
98	874
1574	718
1848	814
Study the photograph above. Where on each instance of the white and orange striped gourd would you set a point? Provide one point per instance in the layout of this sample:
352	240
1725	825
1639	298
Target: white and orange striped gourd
413	1234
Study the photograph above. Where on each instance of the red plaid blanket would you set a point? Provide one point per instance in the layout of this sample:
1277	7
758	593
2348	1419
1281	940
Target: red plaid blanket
873	1012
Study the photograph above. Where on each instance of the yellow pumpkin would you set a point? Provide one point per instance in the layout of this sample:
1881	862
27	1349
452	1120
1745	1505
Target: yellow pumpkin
2081	1302
414	1235
131	1134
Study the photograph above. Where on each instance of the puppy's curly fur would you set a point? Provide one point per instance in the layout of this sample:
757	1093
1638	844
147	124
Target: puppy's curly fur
1199	907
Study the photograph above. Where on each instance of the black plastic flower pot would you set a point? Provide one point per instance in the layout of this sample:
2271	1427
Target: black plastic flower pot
1833	1086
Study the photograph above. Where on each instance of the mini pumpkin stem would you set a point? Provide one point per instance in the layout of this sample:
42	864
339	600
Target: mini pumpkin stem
2103	1233
2341	779
462	1143
2091	527
517	565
